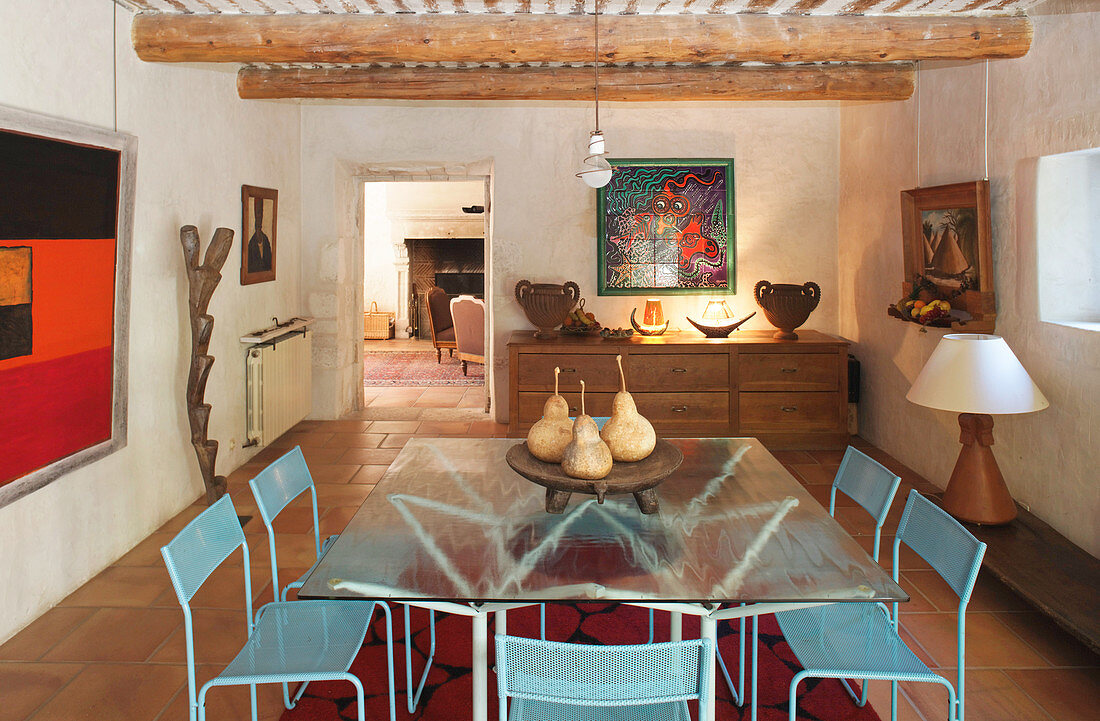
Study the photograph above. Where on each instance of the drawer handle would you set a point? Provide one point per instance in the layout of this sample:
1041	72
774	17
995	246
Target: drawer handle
789	409
679	409
679	370
573	410
788	370
568	370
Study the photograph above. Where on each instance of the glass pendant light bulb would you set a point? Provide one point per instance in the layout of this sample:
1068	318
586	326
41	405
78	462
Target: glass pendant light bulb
596	171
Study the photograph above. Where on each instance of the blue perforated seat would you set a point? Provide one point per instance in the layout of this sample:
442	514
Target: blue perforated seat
552	681
288	642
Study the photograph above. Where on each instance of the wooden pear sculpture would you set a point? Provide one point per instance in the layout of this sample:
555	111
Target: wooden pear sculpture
586	456
548	438
628	435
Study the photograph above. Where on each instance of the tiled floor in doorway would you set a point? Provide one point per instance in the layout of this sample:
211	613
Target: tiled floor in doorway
114	648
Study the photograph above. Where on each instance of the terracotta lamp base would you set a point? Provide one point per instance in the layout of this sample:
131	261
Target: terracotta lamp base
977	492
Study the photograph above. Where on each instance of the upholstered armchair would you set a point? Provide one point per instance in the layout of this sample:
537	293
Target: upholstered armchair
439	318
468	314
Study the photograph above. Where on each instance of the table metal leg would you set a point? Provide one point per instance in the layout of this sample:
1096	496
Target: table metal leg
480	673
502	630
675	626
708	630
755	640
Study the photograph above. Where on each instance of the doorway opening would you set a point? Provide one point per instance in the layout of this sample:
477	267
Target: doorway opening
425	319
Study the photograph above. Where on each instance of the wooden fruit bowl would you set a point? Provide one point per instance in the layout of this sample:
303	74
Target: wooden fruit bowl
639	478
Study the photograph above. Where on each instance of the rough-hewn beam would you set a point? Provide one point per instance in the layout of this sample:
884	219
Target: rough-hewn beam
801	82
484	38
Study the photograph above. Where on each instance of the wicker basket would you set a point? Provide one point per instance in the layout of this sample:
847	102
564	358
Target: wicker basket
377	325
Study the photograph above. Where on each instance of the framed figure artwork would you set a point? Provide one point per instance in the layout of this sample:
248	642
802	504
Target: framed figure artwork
948	246
667	227
259	215
66	215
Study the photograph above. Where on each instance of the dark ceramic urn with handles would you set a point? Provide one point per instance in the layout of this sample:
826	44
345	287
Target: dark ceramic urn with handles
547	304
786	305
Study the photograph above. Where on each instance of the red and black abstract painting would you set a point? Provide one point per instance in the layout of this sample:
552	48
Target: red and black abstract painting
667	226
59	206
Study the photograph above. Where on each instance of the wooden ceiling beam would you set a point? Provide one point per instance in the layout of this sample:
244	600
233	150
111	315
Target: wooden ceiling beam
800	82
528	38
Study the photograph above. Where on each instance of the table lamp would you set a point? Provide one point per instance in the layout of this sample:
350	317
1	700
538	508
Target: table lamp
653	322
976	375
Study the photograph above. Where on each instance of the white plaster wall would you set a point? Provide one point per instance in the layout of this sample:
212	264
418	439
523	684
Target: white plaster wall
197	143
785	159
379	272
1047	102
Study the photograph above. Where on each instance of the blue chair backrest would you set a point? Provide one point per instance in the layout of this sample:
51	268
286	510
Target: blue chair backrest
941	541
580	674
867	482
202	546
274	488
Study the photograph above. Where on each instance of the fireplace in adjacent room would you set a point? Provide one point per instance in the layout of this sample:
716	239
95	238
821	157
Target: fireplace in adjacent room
457	265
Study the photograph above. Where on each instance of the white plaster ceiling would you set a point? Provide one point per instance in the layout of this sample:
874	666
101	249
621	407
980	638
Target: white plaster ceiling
642	7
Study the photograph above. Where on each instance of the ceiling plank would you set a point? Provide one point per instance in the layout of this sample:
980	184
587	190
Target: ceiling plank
501	38
880	81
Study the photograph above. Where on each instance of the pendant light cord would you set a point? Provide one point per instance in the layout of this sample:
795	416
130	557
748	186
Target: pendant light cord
597	63
918	122
114	62
987	119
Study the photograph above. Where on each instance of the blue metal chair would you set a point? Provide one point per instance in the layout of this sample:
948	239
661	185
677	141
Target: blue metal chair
551	681
860	640
291	642
871	485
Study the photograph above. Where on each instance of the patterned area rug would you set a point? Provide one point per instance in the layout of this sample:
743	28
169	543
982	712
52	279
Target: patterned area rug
447	693
418	368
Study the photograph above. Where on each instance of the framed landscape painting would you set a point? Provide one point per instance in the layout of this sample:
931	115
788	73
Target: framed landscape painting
66	195
667	227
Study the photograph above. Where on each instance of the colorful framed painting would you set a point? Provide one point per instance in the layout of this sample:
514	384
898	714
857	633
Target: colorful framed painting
948	246
66	209
259	211
667	227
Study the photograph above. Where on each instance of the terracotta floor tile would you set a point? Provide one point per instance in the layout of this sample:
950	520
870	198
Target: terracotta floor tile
136	692
355	440
369	474
318	456
989	643
396	440
43	632
795	458
394	426
442	427
349	494
369	456
1050	640
291	549
990	694
831	458
821	494
473	400
384	401
334	473
386	413
989	593
310	439
228	703
219	636
347	426
223	589
147	552
121	586
915	645
814	473
307	426
181	519
909	559
486	429
879	697
29	685
336	520
1066	694
855	521
918	602
118	635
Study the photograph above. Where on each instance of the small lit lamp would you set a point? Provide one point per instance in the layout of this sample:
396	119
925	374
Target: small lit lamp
718	320
976	375
653	321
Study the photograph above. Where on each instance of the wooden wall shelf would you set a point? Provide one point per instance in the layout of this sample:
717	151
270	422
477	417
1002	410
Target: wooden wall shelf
789	394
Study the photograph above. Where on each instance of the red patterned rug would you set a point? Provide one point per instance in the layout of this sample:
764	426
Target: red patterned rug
447	693
418	368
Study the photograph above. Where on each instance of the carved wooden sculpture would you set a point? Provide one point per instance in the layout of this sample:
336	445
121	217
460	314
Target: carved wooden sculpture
202	280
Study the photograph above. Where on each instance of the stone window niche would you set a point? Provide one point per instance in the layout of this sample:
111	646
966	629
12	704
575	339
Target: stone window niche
1067	205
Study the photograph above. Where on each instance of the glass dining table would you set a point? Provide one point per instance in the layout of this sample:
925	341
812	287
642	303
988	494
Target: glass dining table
452	527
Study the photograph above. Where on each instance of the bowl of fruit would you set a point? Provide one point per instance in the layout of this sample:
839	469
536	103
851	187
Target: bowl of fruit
578	322
936	313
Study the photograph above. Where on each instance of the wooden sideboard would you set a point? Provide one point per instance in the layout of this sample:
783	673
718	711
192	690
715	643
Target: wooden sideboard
789	394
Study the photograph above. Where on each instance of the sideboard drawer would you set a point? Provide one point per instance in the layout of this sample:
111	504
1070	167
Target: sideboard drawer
598	371
788	371
791	412
680	411
666	371
532	402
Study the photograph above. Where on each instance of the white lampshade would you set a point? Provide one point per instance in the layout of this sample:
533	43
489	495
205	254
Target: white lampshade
976	373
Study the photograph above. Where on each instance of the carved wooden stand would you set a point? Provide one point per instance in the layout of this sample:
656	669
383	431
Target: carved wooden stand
202	280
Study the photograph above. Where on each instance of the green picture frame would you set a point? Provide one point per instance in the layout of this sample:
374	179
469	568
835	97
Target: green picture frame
667	226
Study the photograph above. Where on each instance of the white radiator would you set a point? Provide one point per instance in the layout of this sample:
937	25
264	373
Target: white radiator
279	386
